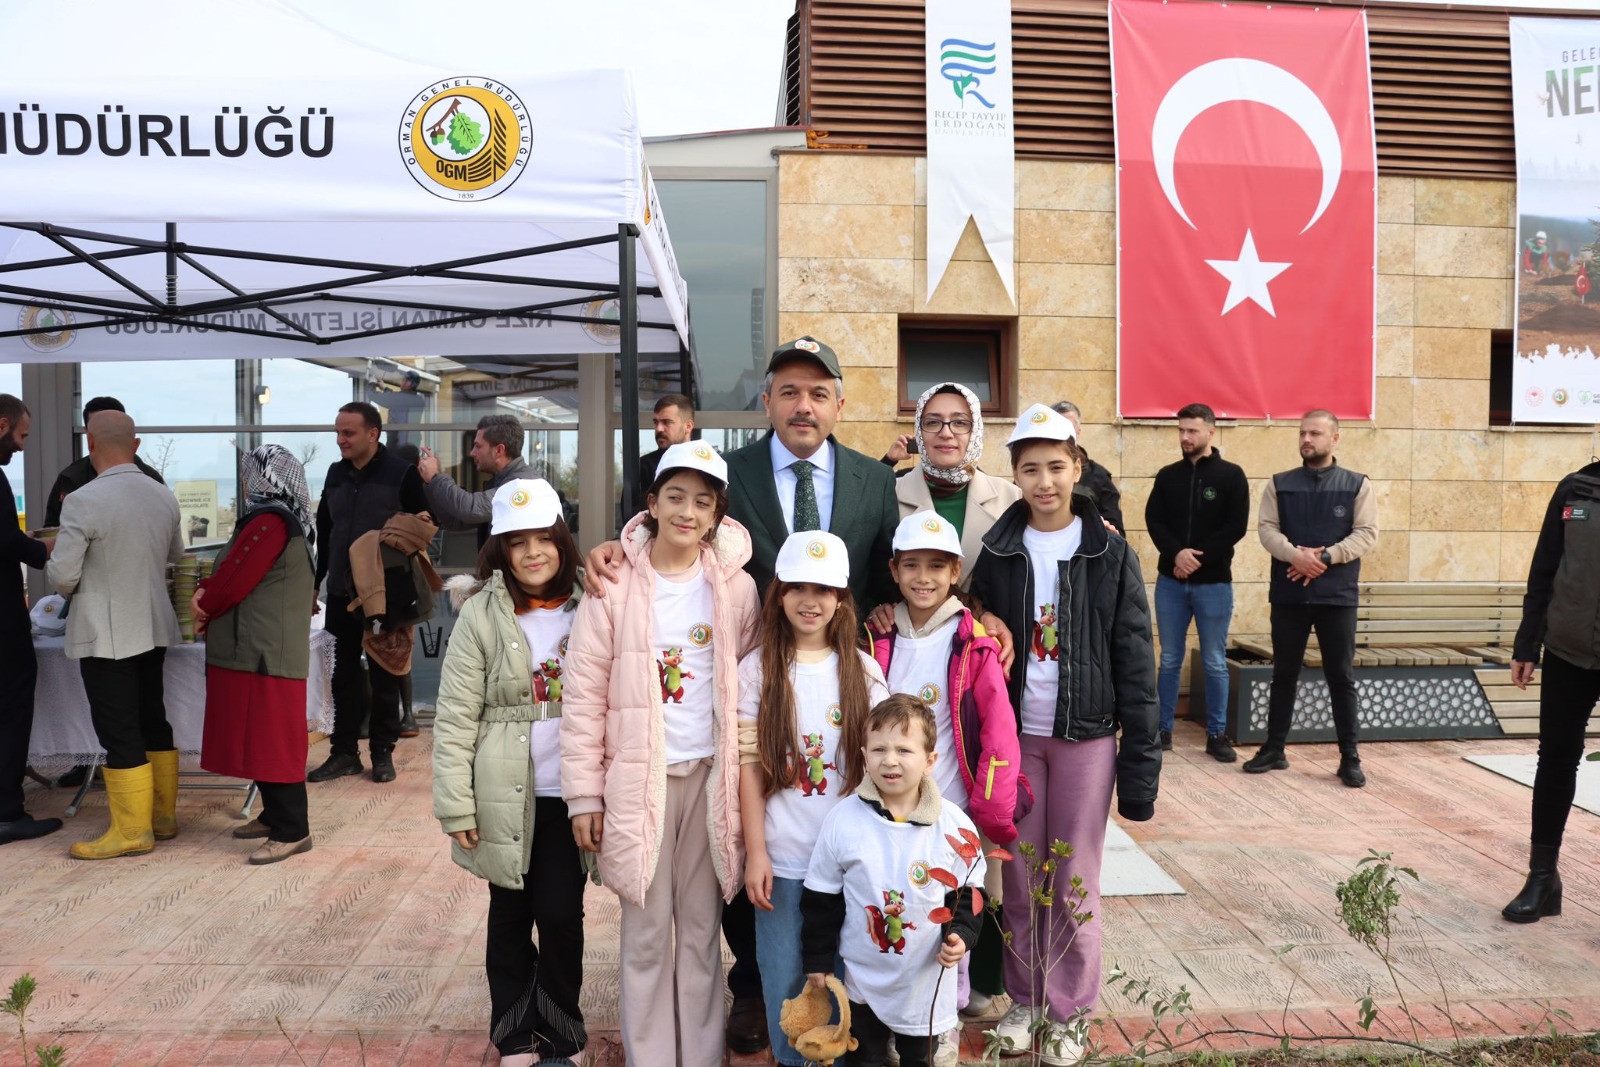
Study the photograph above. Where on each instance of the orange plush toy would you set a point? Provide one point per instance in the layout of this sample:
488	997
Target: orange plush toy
804	1021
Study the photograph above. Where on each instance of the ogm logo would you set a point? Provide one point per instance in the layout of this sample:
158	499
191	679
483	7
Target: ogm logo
520	499
700	634
835	716
55	324
465	138
561	648
608	332
932	525
929	694
1039	417
1559	396
817	550
702	452
807	346
919	874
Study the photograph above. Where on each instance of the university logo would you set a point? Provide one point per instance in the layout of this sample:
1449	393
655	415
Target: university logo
607	332
56	324
962	63
465	138
700	634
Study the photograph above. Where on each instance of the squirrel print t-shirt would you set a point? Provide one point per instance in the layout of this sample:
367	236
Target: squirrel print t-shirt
1042	681
685	666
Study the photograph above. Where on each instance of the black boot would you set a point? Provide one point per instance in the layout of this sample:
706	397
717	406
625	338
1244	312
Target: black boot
1541	894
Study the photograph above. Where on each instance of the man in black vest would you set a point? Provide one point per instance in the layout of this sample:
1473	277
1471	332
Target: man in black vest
1317	521
1558	614
362	491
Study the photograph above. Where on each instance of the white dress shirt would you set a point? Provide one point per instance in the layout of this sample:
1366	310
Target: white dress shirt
821	479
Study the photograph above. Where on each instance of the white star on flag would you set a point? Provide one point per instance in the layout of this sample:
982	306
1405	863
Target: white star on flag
1248	277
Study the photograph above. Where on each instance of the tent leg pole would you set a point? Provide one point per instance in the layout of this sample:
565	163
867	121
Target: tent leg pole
172	264
628	322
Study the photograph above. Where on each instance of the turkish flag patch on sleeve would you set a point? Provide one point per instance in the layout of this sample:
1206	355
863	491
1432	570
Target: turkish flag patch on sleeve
1246	209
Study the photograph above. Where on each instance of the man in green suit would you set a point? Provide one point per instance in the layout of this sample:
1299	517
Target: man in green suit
796	477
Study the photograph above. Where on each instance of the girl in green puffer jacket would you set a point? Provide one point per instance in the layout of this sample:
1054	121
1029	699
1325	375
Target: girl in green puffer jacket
497	772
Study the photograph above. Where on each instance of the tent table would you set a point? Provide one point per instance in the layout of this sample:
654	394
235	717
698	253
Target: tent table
64	733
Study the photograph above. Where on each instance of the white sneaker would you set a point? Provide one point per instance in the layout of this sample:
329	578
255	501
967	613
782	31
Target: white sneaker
948	1054
1015	1030
983	1008
1058	1047
891	1055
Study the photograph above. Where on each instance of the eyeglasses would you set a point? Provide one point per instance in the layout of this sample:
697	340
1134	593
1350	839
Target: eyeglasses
934	425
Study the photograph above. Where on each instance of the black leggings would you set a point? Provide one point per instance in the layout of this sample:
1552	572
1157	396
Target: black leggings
874	1034
533	992
1567	696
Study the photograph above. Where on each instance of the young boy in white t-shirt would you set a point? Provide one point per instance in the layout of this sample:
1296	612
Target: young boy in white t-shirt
890	894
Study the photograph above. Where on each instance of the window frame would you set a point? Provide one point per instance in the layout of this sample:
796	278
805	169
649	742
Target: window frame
1000	335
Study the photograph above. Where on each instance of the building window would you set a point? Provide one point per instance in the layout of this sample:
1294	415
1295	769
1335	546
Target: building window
976	355
1502	356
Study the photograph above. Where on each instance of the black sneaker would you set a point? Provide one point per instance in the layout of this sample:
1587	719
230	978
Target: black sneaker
1166	740
1350	772
336	766
1218	749
1266	759
382	767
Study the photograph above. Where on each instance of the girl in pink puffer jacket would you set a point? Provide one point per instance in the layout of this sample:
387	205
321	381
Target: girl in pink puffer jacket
650	751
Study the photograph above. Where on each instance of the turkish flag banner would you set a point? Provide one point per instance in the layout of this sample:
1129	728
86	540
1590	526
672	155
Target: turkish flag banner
1246	210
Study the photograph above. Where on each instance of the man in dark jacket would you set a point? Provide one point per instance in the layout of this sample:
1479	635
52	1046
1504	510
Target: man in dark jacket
1095	482
80	473
361	492
17	665
673	416
1558	613
1317	521
1199	508
497	452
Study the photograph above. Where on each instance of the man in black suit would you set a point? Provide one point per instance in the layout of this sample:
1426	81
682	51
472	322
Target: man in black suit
796	477
17	665
674	423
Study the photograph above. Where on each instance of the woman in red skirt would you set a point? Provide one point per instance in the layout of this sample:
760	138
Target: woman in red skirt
255	611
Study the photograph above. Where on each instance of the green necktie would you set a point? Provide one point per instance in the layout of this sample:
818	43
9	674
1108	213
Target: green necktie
806	516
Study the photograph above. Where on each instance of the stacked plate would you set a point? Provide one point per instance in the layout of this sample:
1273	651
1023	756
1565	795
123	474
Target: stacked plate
185	576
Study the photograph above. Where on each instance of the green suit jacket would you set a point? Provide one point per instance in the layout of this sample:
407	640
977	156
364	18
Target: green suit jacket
865	514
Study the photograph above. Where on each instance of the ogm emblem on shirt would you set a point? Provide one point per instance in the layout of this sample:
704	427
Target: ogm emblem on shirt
1209	492
835	715
1339	511
932	524
919	874
561	647
817	550
700	634
520	499
929	694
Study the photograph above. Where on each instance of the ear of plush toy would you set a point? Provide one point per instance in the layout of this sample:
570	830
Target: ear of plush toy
805	1012
822	1044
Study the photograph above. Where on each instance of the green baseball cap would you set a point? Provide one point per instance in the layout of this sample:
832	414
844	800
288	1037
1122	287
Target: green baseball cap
805	348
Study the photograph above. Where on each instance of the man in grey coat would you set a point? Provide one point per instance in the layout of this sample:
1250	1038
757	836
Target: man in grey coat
497	452
117	535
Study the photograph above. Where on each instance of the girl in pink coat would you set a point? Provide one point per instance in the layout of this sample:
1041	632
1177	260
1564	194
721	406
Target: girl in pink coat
650	751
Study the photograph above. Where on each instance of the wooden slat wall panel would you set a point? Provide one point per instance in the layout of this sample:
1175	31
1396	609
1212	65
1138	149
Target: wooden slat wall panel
1441	81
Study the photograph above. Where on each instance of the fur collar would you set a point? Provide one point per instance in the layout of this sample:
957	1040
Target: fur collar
728	552
929	803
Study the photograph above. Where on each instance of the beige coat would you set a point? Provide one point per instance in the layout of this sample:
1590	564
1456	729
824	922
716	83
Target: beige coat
118	533
987	499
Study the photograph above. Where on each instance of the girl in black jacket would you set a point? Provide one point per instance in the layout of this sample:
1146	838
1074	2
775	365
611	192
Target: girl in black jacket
1072	594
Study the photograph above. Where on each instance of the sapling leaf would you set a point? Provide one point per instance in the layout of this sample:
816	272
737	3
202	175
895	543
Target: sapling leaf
944	877
940	916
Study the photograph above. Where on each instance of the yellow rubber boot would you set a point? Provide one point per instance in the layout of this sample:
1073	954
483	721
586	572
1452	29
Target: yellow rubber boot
129	793
164	810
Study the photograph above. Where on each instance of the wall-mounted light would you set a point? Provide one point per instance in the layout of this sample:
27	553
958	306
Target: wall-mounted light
264	397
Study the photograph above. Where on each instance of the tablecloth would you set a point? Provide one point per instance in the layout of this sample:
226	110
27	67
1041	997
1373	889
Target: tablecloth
63	732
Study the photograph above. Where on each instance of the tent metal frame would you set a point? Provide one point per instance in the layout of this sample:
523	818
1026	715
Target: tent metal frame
142	306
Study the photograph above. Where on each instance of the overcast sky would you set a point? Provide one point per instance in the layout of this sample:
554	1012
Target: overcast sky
698	65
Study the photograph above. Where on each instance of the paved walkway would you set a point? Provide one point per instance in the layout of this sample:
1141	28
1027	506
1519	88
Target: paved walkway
189	957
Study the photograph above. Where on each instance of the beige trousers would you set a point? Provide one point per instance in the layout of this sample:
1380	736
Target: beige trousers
671	987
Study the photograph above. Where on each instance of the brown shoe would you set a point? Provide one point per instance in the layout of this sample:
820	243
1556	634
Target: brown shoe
274	851
252	829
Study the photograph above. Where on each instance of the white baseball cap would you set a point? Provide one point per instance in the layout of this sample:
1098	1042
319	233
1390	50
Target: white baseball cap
925	529
814	556
695	456
1040	423
525	504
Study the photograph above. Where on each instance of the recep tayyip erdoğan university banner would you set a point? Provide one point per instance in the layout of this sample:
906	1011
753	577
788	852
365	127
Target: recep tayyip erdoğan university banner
1555	93
1246	210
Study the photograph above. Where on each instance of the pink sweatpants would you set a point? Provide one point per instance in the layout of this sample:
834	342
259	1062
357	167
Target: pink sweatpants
1072	783
671	973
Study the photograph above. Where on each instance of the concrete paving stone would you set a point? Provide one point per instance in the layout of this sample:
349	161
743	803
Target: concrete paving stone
426	1050
471	1051
146	1050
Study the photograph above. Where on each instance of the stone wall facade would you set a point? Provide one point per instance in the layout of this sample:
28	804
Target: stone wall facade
1458	500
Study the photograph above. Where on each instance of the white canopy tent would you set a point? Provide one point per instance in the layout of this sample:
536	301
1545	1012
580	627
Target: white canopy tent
230	178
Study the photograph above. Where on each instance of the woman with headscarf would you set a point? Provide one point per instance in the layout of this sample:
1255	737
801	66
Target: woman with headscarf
255	611
949	436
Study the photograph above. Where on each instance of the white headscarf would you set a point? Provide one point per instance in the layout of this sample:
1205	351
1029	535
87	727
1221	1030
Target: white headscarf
962	474
273	475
